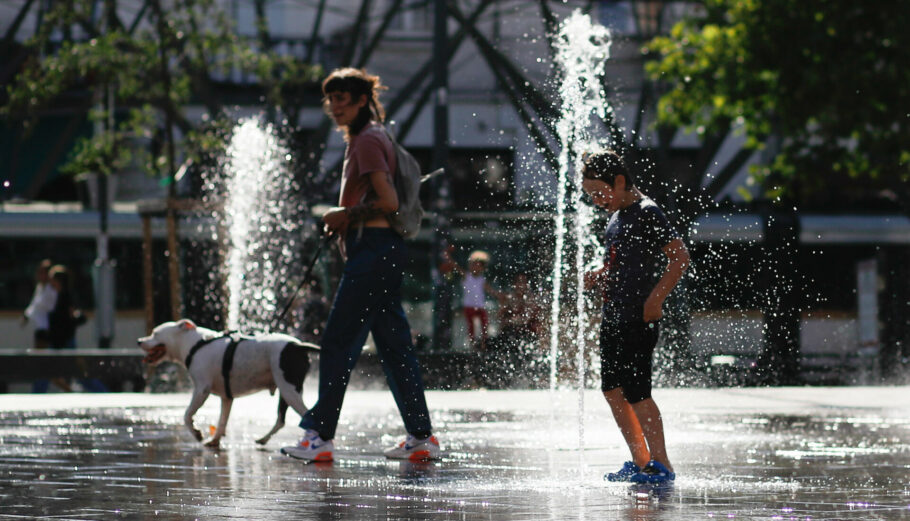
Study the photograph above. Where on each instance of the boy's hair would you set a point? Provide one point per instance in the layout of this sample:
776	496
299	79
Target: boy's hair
356	82
605	166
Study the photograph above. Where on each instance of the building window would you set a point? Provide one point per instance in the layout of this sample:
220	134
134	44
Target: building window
413	15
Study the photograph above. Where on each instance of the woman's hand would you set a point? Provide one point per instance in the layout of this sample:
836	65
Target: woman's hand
336	219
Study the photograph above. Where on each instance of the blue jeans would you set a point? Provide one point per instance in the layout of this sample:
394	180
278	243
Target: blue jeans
369	300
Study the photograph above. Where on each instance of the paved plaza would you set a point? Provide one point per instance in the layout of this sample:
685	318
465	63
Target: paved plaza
756	453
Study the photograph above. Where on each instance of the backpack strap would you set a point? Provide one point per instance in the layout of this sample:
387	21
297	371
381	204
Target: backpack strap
391	174
395	146
389	135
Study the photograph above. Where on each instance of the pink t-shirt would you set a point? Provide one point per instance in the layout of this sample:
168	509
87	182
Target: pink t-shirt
369	151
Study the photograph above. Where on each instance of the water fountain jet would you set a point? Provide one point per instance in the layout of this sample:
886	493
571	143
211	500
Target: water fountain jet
262	222
582	49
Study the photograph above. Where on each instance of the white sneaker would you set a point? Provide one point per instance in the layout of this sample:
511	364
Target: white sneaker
311	448
415	449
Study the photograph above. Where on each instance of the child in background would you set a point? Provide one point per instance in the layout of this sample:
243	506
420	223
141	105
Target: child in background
474	295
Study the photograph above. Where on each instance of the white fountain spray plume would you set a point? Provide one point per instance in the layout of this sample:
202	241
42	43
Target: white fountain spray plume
582	49
262	222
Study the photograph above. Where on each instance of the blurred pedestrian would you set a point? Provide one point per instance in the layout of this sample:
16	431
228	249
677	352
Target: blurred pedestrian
55	278
520	311
43	300
42	303
520	322
444	295
63	320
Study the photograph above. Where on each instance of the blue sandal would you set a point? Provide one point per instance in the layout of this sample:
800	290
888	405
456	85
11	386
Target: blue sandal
654	473
628	470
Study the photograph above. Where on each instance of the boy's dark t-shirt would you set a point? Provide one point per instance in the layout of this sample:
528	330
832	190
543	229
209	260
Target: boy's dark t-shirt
634	240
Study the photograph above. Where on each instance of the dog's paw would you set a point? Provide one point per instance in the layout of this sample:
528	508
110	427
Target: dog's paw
263	440
213	443
197	434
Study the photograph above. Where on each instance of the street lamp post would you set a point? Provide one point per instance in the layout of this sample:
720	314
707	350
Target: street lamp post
442	320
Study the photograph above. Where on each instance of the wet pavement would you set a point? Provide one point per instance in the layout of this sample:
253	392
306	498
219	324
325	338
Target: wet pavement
770	454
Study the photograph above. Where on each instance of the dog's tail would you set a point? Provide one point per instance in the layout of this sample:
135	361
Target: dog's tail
294	363
309	346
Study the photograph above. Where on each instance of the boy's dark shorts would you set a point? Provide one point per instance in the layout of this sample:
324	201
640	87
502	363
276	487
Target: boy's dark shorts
625	357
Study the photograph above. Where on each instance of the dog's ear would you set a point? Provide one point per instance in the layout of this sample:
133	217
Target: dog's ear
186	324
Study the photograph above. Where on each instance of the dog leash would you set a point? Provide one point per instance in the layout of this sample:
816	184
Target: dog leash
306	278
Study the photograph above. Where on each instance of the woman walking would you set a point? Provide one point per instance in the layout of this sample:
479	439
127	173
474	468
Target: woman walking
368	299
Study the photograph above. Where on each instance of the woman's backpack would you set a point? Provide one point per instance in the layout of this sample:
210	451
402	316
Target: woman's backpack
407	178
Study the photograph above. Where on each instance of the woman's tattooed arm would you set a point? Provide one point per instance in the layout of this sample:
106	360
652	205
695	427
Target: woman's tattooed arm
363	211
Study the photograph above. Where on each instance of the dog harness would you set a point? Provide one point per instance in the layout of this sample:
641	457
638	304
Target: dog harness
227	362
199	345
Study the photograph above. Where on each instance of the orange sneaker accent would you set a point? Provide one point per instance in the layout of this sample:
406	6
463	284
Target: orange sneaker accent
420	455
323	456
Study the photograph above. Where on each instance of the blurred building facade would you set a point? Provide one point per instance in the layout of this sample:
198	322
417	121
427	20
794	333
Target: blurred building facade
501	185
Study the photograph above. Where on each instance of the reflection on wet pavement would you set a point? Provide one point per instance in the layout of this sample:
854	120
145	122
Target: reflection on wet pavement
839	454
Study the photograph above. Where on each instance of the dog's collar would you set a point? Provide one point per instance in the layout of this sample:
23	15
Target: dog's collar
201	343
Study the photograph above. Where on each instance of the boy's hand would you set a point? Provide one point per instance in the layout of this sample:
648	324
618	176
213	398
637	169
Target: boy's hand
591	279
653	309
594	278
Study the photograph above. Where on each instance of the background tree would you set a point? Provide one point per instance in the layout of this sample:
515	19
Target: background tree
824	89
825	85
140	79
174	53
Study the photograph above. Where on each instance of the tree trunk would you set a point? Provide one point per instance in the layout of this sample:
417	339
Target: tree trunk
894	263
779	363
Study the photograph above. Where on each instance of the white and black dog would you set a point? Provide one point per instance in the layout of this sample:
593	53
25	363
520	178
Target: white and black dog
232	366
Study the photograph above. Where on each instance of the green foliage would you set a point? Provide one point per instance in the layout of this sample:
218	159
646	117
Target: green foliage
284	79
831	78
103	154
169	62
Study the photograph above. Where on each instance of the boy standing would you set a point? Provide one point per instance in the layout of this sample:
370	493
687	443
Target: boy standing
645	259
